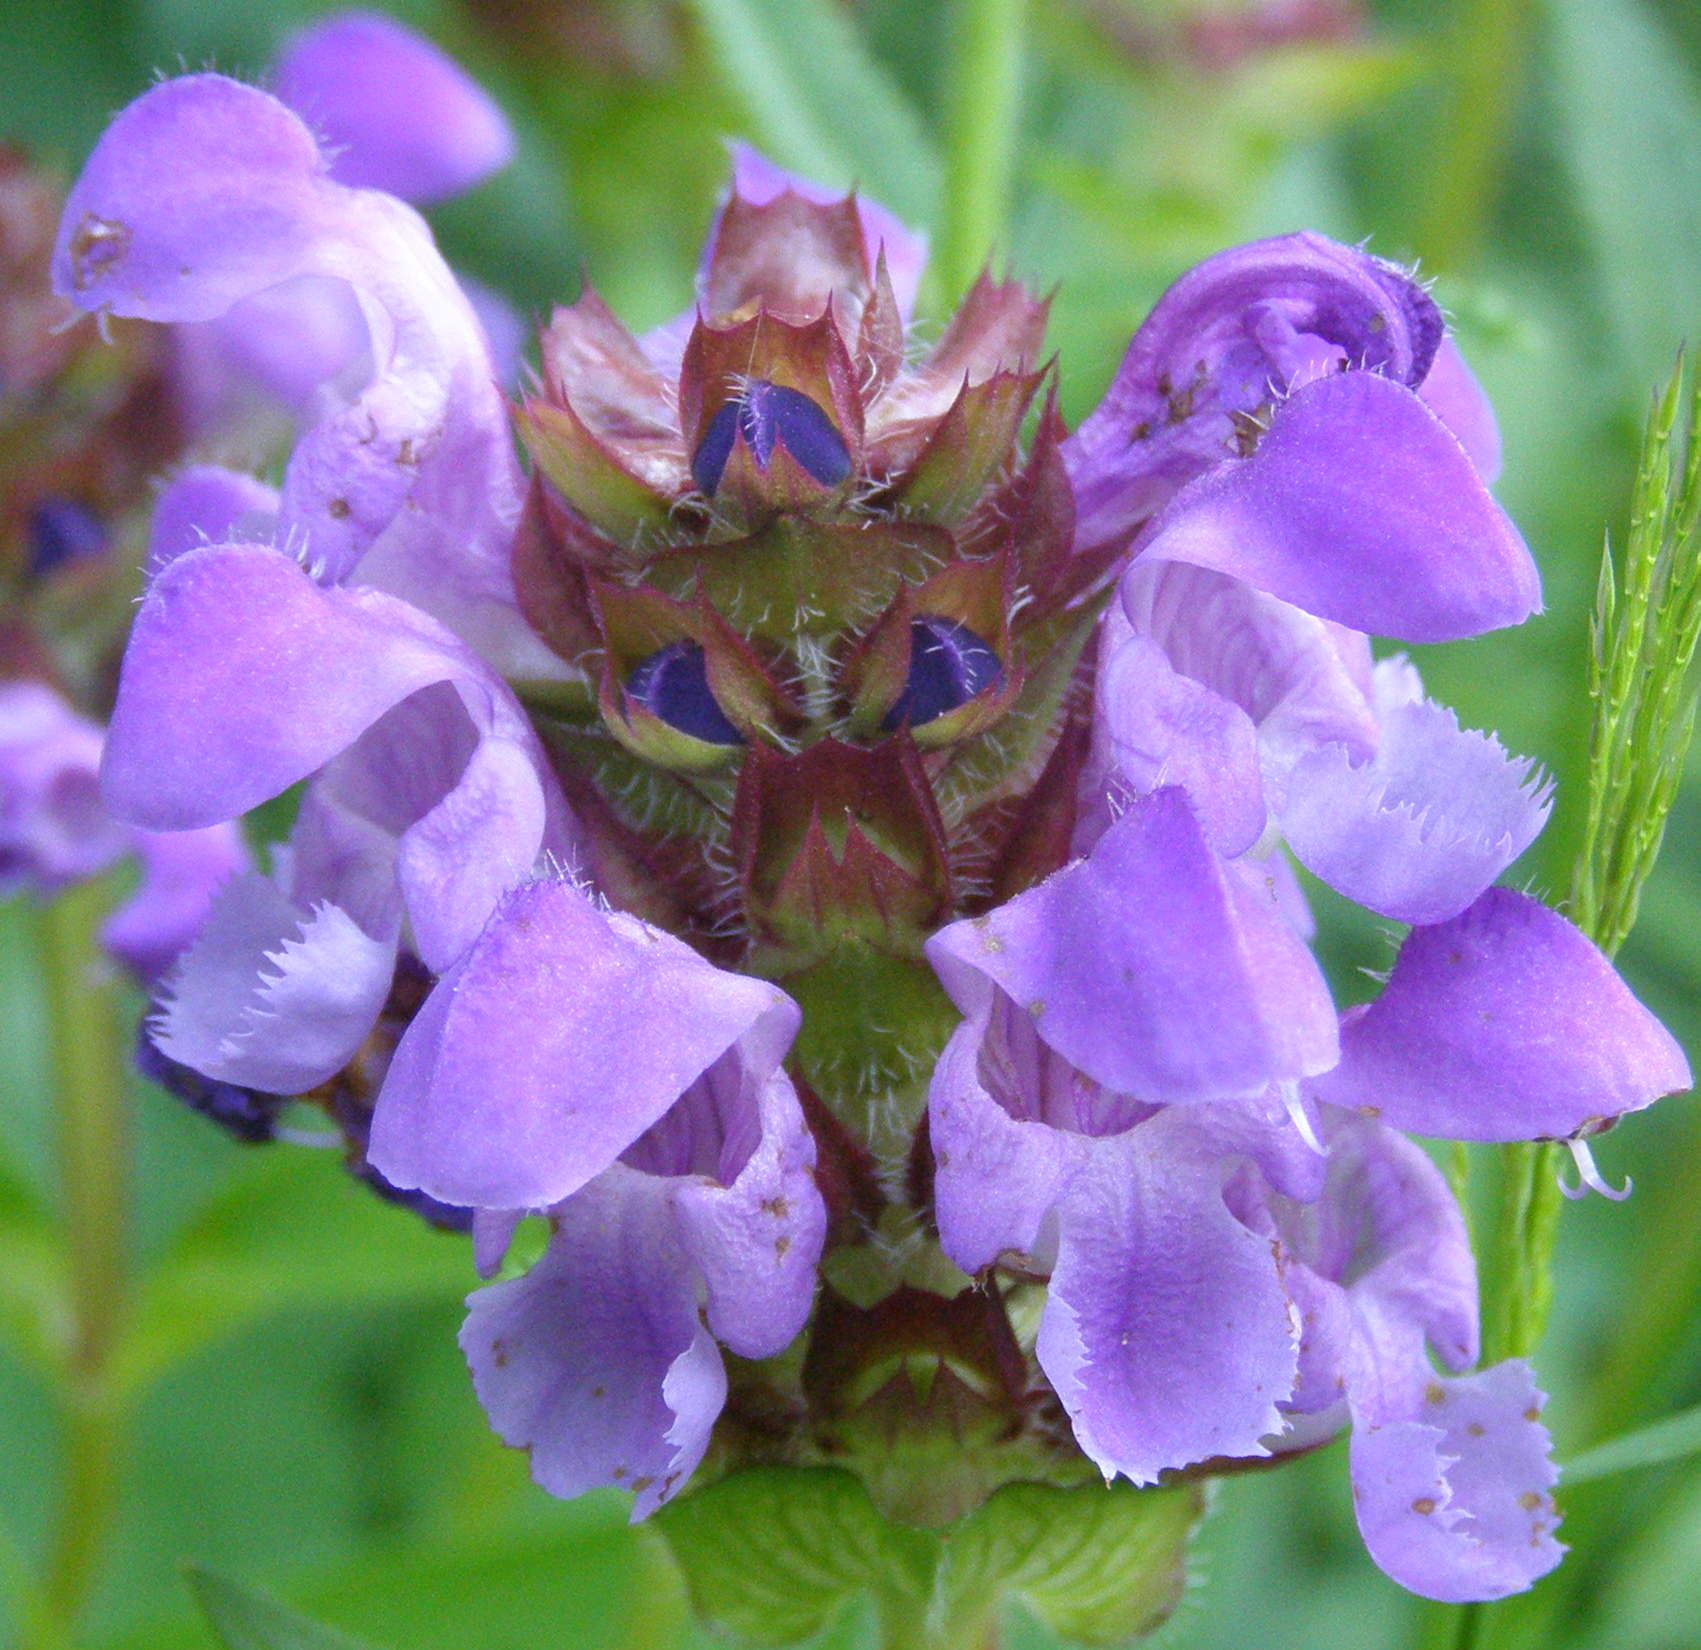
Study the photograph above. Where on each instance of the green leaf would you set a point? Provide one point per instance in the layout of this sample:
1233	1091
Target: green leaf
781	1555
1628	116
1098	1565
1673	1439
778	1555
820	103
246	1619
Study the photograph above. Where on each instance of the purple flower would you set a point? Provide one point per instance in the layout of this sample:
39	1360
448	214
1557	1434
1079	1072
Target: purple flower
577	1062
392	113
205	193
55	830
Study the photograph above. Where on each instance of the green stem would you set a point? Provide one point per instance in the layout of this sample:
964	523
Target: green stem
88	1064
1470	151
983	118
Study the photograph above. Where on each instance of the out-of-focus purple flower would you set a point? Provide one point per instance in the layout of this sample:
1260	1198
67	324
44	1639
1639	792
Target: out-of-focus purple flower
394	113
206	192
54	830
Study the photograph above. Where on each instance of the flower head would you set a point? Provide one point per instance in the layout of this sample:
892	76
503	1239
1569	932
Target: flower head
828	819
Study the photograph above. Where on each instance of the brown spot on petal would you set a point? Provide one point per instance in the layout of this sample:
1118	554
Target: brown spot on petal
1424	1504
499	1353
1435	1393
778	1207
337	508
1368	1111
643	1483
1036	1007
781	1244
1533	1413
1476	1429
1530	1500
599	1391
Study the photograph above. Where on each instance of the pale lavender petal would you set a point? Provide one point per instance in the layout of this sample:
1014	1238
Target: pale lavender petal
560	1036
998	1170
205	192
1452	393
54	828
492	1232
181	872
1417	831
1303	682
756	1240
1167	1332
506	331
285	342
1151	969
759	181
271	996
396	113
1455	1502
596	1361
1384	1262
1361	507
1505	1023
1163	728
208	504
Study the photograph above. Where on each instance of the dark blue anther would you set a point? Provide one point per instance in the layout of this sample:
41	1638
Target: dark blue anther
62	530
673	684
949	665
767	413
246	1114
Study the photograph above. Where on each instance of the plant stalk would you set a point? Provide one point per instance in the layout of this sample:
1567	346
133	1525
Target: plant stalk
88	1055
983	122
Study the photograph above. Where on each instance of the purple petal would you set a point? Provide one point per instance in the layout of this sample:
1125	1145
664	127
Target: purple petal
271	996
1417	831
1167	1332
205	192
1503	1024
1150	968
1358	506
181	872
1452	393
244	676
208	504
1455	1502
54	828
562	1034
596	1361
1233	335
395	112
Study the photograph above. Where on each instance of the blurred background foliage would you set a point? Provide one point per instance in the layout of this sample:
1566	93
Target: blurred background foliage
291	1407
